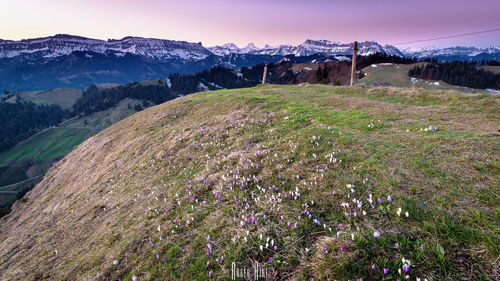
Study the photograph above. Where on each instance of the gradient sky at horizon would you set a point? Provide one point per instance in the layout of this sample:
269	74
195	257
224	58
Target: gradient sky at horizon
259	21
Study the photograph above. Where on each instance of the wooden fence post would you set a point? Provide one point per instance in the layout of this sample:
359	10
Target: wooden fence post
353	71
264	75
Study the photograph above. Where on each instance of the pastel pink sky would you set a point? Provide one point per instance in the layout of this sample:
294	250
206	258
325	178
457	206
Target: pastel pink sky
260	21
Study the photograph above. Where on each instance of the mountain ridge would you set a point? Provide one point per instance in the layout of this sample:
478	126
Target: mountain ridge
67	61
64	44
164	49
307	48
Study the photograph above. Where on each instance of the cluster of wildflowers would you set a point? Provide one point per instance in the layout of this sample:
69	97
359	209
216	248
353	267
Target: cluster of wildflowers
265	196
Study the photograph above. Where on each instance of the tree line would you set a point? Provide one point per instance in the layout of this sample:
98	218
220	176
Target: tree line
96	99
364	61
20	120
458	73
277	73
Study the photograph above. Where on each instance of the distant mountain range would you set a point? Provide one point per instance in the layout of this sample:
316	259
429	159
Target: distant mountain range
73	61
455	53
61	44
308	48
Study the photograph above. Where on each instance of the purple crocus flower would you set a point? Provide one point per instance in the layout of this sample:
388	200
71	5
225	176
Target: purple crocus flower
376	234
210	274
389	199
271	261
373	267
396	246
386	270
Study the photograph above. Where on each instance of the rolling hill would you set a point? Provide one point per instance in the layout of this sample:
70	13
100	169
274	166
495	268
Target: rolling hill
309	181
396	75
64	97
23	165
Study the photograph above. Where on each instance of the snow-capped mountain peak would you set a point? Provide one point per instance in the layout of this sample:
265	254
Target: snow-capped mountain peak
454	53
47	48
492	50
230	46
63	44
310	47
249	48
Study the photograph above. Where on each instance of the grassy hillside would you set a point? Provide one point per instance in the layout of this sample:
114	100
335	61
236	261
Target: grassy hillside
35	155
64	97
494	69
310	181
396	75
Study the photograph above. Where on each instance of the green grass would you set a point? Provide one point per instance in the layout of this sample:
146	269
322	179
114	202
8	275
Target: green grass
7	199
373	151
46	146
397	76
35	155
64	97
42	101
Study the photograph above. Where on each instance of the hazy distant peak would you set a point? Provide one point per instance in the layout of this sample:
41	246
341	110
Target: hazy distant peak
249	48
230	46
251	45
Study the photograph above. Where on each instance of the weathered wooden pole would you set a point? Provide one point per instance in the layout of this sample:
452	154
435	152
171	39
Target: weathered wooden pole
353	71
264	75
